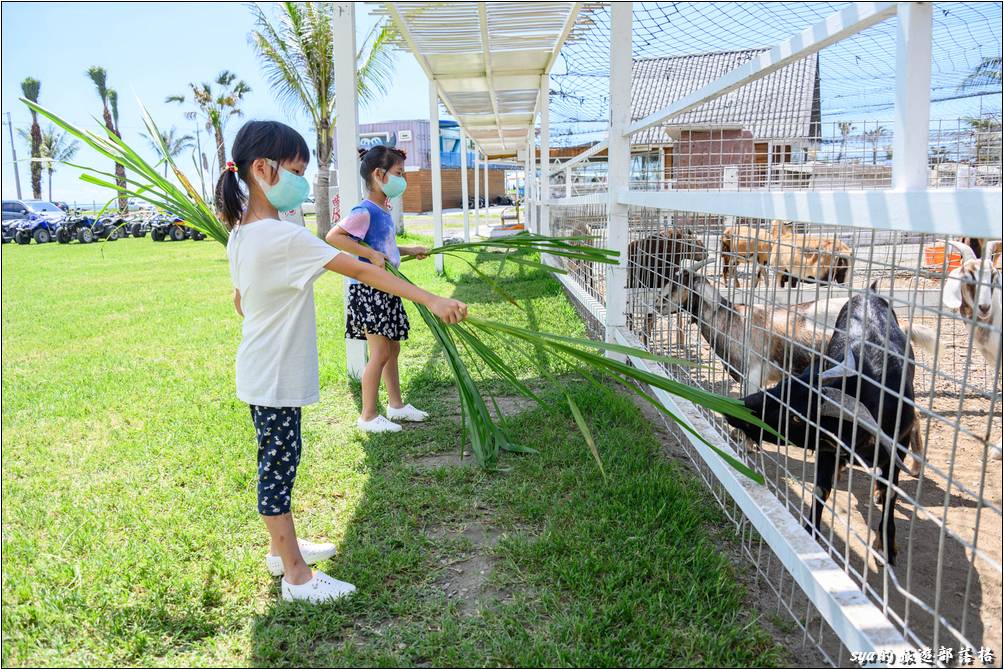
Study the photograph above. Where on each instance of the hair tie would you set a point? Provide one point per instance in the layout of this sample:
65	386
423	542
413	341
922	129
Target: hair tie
231	166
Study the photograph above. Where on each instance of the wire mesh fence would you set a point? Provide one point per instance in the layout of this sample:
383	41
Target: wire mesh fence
895	469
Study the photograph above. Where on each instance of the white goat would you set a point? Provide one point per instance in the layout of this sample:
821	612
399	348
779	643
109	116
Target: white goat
974	288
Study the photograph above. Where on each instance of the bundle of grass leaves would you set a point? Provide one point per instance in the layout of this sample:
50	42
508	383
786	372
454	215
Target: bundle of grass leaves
479	339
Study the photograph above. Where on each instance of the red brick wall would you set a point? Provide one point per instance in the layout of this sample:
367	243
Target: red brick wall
699	155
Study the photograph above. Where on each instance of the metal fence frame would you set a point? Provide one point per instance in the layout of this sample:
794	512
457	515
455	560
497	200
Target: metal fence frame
909	205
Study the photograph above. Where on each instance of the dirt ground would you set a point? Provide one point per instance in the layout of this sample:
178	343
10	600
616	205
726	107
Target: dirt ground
948	520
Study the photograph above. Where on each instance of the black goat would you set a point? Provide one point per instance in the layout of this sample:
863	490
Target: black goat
851	410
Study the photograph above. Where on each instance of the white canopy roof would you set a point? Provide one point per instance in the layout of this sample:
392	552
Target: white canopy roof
488	60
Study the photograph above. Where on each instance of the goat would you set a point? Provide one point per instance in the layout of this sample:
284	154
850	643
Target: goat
782	340
862	408
652	261
974	288
800	257
745	243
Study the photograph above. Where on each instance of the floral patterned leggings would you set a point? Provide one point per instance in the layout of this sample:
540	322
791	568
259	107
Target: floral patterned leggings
279	446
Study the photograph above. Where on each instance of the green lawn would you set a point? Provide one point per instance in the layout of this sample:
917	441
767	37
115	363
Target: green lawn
129	527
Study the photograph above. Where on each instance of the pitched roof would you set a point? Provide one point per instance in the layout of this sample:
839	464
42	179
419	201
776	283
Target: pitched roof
782	105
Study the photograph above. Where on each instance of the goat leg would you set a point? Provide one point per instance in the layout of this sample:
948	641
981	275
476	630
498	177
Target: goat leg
885	534
826	466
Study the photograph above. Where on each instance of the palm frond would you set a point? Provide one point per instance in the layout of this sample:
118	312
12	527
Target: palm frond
31	87
99	76
376	62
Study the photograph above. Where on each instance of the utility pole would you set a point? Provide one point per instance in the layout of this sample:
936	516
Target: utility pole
17	175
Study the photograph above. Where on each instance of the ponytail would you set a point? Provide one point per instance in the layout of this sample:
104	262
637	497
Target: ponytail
230	197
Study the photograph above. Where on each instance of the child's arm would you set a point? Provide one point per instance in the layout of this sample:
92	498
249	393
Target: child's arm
342	241
418	252
447	309
237	302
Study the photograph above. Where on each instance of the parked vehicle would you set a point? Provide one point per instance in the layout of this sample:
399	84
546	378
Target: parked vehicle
138	225
9	228
36	227
170	227
75	227
108	228
62	205
21	209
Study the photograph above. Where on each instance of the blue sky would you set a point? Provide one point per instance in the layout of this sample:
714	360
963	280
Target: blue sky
150	50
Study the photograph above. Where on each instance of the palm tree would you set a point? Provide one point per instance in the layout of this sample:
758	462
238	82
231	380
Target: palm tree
987	73
874	136
57	147
30	87
175	144
845	130
217	105
296	53
110	111
987	134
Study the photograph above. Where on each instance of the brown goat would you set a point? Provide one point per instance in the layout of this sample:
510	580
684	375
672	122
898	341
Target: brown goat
800	257
745	244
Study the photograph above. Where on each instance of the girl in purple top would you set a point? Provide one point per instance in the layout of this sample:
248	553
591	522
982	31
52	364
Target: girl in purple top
373	315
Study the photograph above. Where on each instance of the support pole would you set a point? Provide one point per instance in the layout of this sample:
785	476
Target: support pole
463	185
343	34
528	189
477	193
913	96
545	157
437	172
568	182
619	163
488	222
13	151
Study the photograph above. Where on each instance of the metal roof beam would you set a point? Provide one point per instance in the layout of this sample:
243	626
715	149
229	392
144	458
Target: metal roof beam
489	75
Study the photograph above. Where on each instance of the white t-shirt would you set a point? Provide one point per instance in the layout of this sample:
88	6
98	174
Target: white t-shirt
274	264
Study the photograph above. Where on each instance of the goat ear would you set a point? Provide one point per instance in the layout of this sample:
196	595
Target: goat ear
845	368
951	294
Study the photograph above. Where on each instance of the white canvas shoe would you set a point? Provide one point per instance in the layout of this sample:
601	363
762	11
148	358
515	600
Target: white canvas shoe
313	552
407	413
379	424
320	589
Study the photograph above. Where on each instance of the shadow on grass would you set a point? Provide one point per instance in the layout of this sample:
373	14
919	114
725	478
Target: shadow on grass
540	564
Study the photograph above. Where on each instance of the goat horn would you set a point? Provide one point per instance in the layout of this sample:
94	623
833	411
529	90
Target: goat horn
967	253
694	267
845	368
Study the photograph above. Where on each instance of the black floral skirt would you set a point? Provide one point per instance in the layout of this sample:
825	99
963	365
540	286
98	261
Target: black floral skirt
376	313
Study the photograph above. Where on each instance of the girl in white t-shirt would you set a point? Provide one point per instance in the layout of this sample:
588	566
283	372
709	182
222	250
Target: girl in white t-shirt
273	265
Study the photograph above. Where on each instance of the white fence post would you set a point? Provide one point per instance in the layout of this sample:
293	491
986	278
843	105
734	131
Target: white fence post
477	192
463	185
618	163
913	96
488	222
343	30
545	157
531	166
437	173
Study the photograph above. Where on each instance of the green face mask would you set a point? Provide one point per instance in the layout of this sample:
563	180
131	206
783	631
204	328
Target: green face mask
394	187
287	193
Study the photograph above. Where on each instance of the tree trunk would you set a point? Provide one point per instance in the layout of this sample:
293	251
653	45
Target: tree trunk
36	153
322	197
221	150
120	181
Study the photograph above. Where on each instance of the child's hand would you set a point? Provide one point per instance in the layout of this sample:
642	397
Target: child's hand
420	253
377	258
449	310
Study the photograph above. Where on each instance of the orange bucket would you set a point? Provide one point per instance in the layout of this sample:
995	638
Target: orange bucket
934	258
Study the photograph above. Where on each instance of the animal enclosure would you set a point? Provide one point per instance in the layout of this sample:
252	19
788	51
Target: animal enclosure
814	231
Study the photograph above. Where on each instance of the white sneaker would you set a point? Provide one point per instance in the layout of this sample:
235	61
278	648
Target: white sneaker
406	413
378	425
320	589
313	552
